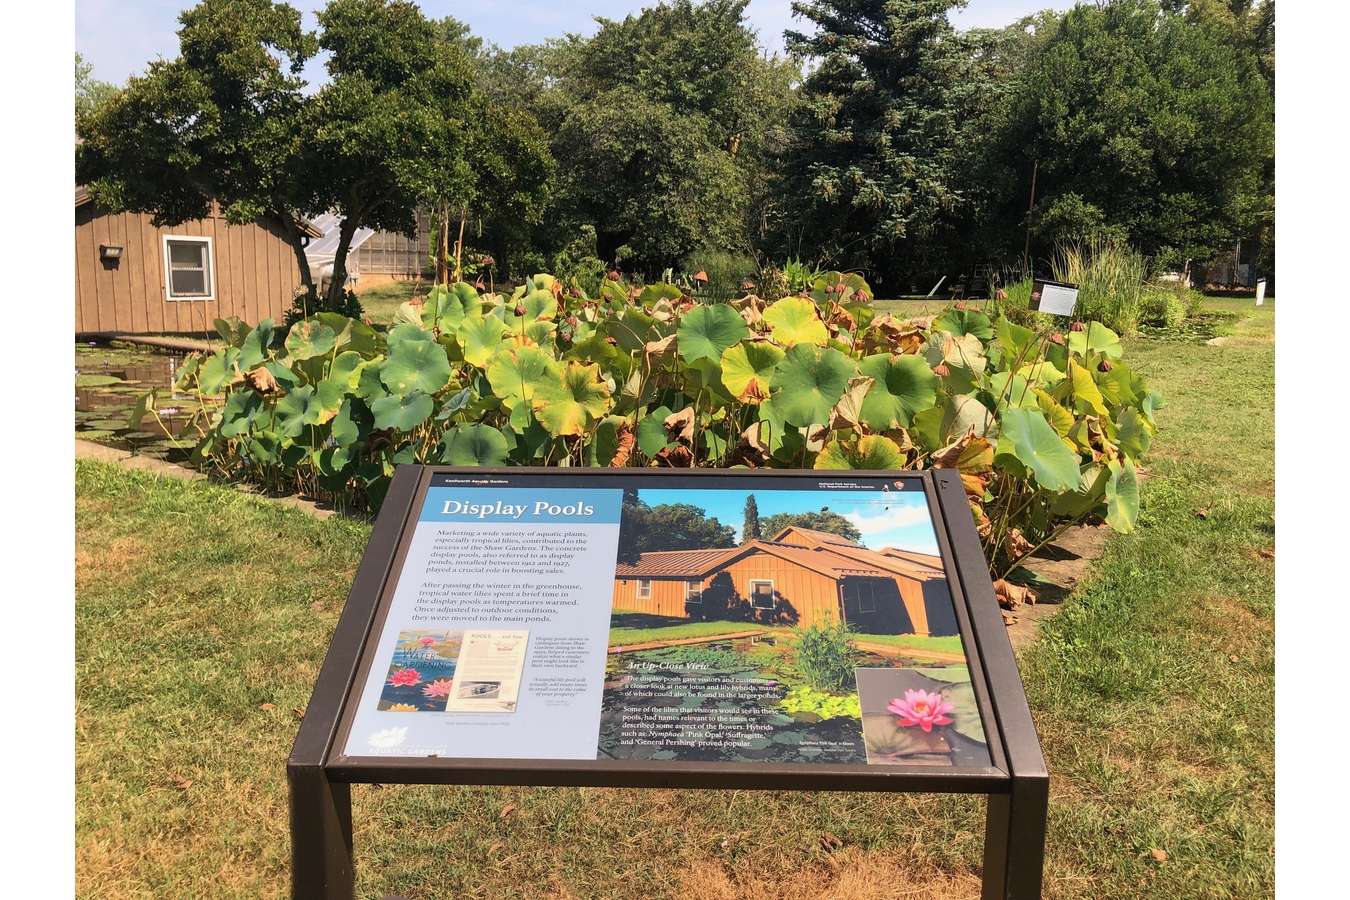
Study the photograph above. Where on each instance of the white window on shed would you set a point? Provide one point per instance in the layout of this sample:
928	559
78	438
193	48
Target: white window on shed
761	593
693	591
188	268
644	588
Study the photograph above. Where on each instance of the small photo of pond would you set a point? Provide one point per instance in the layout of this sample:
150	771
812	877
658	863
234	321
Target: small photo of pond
421	671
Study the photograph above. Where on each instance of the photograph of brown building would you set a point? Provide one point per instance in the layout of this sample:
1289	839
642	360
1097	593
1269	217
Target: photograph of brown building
798	576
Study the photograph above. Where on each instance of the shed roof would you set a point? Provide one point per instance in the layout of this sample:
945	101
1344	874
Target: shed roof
82	197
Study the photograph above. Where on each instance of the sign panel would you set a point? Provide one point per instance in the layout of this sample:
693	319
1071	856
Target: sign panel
1260	292
1054	297
790	620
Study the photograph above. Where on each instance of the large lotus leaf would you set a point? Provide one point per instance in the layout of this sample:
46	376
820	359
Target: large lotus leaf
1009	389
340	325
965	414
1118	385
569	403
873	451
285	378
1086	395
218	371
446	307
964	351
346	369
537	304
1122	496
368	383
1132	434
809	381
329	396
1029	438
256	347
747	369
1059	418
660	291
595	348
144	405
705	376
515	373
297	409
706	331
352	422
238	413
474	445
965	321
903	386
232	331
1042	373
415	366
793	320
310	338
531	334
1017	344
1096	338
651	431
480	339
926	427
401	413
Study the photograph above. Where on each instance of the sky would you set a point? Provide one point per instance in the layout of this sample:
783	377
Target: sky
119	37
898	520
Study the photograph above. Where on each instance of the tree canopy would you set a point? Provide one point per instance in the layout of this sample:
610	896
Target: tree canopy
822	519
668	526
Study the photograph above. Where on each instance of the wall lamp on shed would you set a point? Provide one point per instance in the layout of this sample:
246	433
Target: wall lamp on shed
109	252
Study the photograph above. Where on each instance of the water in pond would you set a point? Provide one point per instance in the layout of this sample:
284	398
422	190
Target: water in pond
108	383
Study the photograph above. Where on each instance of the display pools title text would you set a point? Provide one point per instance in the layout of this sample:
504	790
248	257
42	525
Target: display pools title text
500	510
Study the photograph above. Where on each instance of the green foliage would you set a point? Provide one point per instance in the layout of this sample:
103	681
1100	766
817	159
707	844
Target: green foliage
1150	122
1163	309
91	94
750	530
1043	431
817	520
824	658
308	302
803	699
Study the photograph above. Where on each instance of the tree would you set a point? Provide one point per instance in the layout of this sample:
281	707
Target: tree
220	123
663	125
91	94
1162	124
821	520
877	140
750	527
671	526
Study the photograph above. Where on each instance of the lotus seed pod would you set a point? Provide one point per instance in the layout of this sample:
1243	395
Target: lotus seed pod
942	370
612	275
1076	326
1104	366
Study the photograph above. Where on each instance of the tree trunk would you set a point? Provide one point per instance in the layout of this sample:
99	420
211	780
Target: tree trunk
295	236
345	233
443	246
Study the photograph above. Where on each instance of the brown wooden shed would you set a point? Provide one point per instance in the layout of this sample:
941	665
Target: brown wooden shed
134	278
798	577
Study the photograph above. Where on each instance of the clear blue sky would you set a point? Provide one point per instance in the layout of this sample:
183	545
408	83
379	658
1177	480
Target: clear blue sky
885	520
119	37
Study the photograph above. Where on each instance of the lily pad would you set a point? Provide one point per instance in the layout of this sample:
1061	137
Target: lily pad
903	386
402	413
1030	439
705	332
747	369
474	445
415	366
794	320
515	373
809	381
571	402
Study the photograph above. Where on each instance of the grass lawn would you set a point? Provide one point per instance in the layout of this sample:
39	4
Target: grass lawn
638	628
203	615
950	643
381	302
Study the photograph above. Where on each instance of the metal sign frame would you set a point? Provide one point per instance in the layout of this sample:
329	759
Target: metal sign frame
1016	782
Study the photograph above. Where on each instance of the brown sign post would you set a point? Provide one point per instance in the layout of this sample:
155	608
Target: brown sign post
378	714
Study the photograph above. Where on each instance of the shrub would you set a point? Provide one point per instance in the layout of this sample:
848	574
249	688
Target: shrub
1163	309
1110	278
726	272
307	303
1044	428
824	658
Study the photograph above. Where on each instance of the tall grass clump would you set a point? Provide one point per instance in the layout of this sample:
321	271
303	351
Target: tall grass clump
1110	278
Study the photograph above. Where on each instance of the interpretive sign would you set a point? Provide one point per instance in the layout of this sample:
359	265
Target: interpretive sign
1054	297
1260	291
716	628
